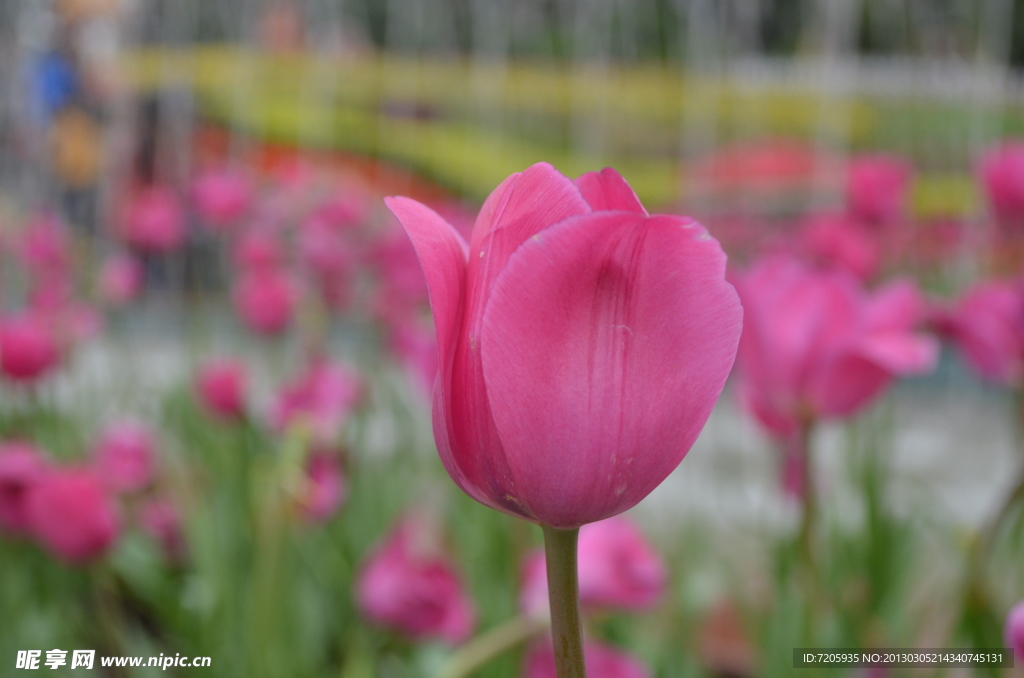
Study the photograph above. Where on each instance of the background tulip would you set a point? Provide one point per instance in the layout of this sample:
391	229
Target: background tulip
221	387
987	326
323	489
21	467
602	662
618	568
28	347
567	310
877	187
72	515
1014	633
410	585
125	456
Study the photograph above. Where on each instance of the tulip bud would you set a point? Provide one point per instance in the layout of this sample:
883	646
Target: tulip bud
221	387
125	456
72	515
410	585
21	467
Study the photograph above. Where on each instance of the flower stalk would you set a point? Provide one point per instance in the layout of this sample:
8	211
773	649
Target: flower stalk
564	597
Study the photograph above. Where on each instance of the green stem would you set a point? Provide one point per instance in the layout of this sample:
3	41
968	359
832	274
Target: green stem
808	517
484	648
564	596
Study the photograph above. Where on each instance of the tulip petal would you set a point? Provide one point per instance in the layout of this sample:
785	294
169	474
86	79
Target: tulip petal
607	190
625	330
442	254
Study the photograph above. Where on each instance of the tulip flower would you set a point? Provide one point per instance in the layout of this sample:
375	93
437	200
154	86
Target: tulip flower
28	347
323	489
258	250
266	300
45	247
877	187
410	585
602	662
221	387
1002	176
120	279
618	568
125	456
153	221
582	344
1014	633
21	467
838	241
816	345
321	398
72	515
159	519
222	197
987	326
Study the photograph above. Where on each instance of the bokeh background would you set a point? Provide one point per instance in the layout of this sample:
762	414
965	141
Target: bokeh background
217	353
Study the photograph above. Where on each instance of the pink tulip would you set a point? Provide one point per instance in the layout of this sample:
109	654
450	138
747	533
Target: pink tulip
159	519
324	488
346	208
582	343
1002	176
153	221
877	187
72	515
120	279
1014	633
125	455
323	249
28	347
602	662
815	344
266	300
45	247
221	387
837	241
987	326
258	250
21	467
322	398
222	197
410	585
617	567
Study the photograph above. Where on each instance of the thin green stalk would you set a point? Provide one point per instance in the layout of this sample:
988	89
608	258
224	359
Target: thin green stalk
483	649
564	597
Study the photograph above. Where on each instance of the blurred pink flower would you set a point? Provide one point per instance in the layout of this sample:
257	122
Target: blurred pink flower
159	519
265	300
21	466
815	344
72	515
1014	633
987	326
258	249
221	386
153	221
29	348
45	246
120	279
321	398
222	196
323	249
838	241
410	585
323	490
602	662
1002	175
347	207
125	456
617	567
877	187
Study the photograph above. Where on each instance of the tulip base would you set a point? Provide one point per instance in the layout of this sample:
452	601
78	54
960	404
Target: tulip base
564	598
